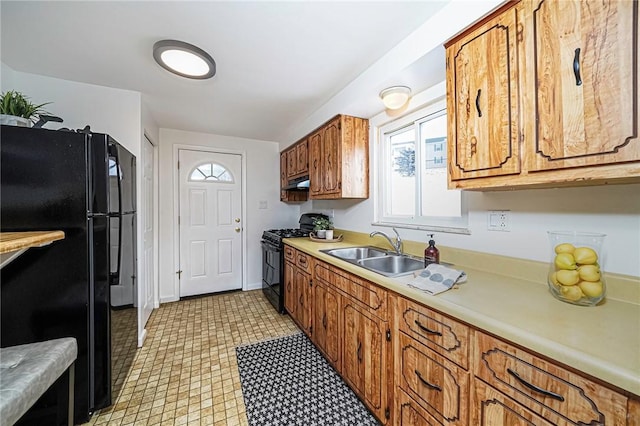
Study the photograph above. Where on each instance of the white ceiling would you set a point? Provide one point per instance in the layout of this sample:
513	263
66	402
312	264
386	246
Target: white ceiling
277	62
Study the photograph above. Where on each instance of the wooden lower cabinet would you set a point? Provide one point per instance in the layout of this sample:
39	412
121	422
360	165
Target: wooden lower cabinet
365	357
302	284
409	413
545	388
438	385
491	408
326	321
290	300
438	371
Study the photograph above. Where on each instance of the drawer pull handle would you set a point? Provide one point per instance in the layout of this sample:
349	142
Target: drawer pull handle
576	67
478	103
427	330
427	384
534	387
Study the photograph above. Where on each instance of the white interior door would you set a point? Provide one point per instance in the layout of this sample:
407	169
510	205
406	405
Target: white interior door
147	285
210	222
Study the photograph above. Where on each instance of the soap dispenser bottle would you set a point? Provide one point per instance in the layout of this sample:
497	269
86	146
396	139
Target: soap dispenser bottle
431	253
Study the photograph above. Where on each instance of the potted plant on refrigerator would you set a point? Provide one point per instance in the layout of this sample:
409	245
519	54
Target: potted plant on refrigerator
17	110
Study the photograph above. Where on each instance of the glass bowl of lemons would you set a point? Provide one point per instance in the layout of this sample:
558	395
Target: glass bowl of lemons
575	270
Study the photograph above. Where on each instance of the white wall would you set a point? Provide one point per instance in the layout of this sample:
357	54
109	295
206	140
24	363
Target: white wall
262	184
612	209
107	110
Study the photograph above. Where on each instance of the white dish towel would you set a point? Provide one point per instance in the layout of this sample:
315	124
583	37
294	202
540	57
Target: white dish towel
436	278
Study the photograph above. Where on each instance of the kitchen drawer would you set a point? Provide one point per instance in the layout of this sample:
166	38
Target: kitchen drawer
362	291
409	412
491	408
304	262
438	385
290	254
322	272
447	337
544	387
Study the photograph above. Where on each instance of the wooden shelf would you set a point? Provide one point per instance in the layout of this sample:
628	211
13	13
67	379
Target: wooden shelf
14	241
13	244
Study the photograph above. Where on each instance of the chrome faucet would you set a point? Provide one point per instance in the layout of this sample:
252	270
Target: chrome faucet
397	245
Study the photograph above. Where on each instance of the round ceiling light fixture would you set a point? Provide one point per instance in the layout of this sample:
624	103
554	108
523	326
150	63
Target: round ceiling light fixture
395	97
184	59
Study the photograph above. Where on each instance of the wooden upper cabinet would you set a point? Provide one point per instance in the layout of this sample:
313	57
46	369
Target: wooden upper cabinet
580	82
315	156
482	102
293	164
298	160
302	155
283	176
544	93
339	159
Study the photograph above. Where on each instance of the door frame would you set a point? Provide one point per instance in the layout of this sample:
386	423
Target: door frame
176	207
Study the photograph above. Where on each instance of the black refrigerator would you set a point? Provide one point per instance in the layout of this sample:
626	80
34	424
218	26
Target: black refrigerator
83	184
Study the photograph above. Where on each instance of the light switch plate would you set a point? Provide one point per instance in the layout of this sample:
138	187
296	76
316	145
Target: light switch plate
499	220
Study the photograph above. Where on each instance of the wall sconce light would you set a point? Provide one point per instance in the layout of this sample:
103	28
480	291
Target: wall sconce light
395	97
184	59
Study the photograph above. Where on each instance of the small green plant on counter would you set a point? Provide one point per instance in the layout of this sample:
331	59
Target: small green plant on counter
16	104
321	223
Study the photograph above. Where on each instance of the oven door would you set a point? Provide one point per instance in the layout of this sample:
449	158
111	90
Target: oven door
272	275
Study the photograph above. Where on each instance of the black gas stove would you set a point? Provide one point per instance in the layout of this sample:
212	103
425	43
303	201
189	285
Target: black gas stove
275	236
273	260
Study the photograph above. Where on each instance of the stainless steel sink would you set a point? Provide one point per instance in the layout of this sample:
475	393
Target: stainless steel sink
356	253
392	265
377	260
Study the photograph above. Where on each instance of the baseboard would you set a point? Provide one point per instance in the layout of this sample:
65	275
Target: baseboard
252	286
142	337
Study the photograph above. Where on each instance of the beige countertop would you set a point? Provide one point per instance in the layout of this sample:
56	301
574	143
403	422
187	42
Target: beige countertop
509	298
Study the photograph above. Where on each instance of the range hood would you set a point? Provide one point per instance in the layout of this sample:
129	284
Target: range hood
298	184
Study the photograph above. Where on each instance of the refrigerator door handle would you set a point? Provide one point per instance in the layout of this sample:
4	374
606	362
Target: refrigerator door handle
114	277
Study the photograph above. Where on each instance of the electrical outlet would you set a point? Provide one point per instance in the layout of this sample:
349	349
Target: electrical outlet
262	204
499	220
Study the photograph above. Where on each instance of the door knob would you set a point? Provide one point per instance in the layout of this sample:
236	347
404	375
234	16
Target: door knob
238	229
237	220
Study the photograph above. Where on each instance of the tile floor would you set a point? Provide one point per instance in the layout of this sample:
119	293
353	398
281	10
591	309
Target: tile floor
187	373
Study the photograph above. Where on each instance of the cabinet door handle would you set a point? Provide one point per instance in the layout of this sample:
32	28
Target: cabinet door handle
534	387
300	300
359	352
324	321
427	384
576	67
427	330
478	103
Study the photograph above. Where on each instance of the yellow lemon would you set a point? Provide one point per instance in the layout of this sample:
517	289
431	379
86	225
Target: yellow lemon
565	261
566	277
554	279
585	256
571	292
591	289
589	273
564	248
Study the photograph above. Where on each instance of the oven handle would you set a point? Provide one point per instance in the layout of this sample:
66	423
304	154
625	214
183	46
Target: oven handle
270	247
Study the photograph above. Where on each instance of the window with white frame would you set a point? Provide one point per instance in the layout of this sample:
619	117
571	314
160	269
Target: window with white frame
412	178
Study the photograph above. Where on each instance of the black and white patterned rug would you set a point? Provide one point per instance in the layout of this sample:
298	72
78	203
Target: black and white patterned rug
286	381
